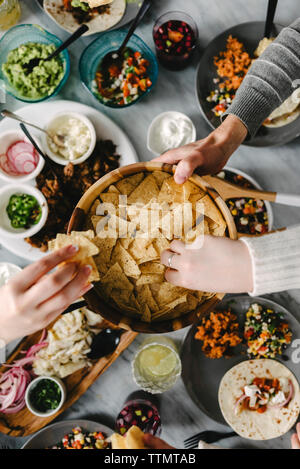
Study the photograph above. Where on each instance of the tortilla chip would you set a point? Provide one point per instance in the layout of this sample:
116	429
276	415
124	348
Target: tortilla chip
169	307
161	244
118	441
110	198
127	185
146	313
144	296
215	229
150	254
113	188
94	275
160	177
105	246
87	249
126	242
211	211
166	292
94	207
152	268
125	301
116	279
146	279
145	191
126	261
135	438
138	247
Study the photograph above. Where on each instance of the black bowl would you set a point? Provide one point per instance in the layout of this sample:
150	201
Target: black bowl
249	34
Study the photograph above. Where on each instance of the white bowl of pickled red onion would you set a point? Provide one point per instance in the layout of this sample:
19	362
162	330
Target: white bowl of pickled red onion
19	161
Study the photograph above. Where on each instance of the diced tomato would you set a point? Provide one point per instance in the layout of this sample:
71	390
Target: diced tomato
76	444
137	55
262	409
126	91
248	333
114	70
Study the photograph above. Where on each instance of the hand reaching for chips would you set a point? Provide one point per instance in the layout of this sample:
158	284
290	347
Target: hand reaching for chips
213	264
33	299
86	249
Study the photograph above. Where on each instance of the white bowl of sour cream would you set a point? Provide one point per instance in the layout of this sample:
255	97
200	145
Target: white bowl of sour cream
79	138
171	129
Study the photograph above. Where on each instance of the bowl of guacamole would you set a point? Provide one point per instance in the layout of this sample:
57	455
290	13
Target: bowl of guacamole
18	46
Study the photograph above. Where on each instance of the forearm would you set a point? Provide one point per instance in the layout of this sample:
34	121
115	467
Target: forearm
275	261
270	80
229	135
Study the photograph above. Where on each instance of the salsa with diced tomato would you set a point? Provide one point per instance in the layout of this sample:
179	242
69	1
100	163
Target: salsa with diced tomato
123	83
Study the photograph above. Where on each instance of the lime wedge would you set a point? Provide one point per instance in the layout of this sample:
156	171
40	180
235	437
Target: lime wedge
158	360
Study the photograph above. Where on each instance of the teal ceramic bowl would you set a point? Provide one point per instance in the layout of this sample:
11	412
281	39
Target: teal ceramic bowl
23	34
108	42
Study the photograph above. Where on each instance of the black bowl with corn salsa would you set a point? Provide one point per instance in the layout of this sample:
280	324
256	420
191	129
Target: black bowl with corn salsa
250	215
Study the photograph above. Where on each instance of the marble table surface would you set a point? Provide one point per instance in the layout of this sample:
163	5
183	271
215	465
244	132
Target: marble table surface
274	168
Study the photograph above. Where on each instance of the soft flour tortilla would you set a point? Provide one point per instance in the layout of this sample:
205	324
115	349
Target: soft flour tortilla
105	21
249	424
279	118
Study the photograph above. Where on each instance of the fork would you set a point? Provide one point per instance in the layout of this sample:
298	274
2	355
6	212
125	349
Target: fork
208	437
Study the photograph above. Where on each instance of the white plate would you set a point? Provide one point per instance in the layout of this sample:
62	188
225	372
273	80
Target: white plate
130	13
40	114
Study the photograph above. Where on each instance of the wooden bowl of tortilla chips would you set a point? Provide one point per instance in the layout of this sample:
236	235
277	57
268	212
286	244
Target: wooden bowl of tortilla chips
132	291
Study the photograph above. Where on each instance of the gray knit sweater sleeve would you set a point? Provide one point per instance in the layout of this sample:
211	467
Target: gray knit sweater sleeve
270	80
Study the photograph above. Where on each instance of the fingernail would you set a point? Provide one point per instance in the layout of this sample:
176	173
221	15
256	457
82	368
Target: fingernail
87	269
179	179
87	288
72	249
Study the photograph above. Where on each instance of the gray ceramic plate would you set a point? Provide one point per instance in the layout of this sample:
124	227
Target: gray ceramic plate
51	435
202	375
130	13
249	34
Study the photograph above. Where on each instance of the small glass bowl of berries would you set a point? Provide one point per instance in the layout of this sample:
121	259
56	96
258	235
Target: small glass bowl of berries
175	37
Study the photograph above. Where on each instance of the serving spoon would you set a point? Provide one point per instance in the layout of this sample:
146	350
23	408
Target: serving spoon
116	56
227	190
43	155
76	35
58	139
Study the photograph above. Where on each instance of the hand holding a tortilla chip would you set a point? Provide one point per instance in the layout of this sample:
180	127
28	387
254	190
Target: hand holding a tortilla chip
33	299
209	264
210	154
152	442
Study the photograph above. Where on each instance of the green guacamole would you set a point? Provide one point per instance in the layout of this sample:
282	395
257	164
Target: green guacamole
43	79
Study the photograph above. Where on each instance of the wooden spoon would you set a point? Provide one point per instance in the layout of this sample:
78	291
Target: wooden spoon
227	190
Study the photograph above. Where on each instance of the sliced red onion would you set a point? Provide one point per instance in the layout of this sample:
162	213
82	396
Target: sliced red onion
238	402
13	382
35	348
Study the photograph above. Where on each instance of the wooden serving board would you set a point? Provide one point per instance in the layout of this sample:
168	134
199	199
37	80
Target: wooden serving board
24	423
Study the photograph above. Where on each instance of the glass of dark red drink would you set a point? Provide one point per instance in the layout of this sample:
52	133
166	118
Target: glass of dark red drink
175	36
140	409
